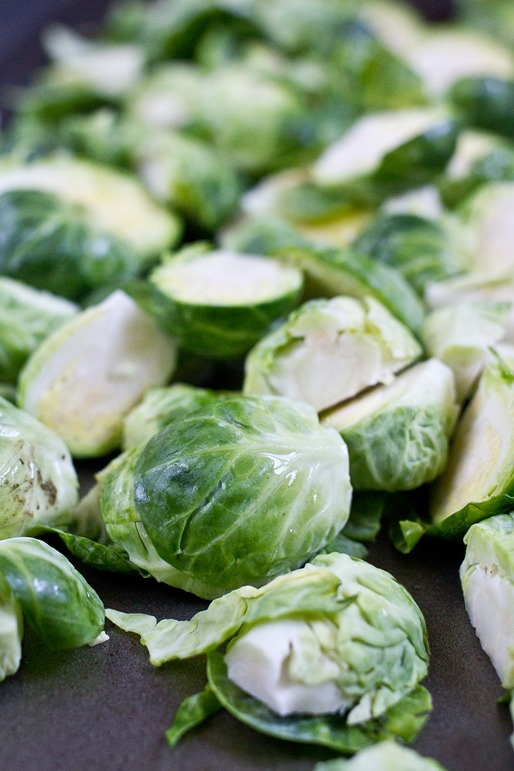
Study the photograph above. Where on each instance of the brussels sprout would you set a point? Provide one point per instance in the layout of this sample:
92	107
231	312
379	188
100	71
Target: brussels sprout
330	350
27	317
50	245
39	484
376	78
188	174
113	201
384	756
192	493
475	288
398	25
486	102
407	146
461	334
487	576
355	645
63	609
161	406
422	250
220	303
397	435
167	97
487	219
478	479
329	271
11	631
86	376
424	201
446	56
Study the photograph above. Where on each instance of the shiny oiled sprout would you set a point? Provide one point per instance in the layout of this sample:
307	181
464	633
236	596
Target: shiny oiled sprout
38	482
86	376
330	350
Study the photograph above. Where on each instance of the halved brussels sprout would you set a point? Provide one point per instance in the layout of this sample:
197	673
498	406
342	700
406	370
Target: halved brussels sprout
27	317
51	245
63	609
161	406
475	287
461	334
212	488
487	576
167	97
108	69
220	303
445	56
330	350
422	250
486	102
354	647
397	435
39	484
478	480
11	631
113	201
86	376
384	756
407	145
489	228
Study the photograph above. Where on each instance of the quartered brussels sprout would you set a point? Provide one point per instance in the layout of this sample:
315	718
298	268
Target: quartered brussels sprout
487	576
384	756
220	303
407	145
444	57
478	479
330	350
27	317
461	334
11	631
397	435
206	494
55	599
113	201
354	649
86	376
39	484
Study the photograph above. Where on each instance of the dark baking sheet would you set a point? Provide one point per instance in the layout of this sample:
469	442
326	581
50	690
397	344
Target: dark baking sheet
108	708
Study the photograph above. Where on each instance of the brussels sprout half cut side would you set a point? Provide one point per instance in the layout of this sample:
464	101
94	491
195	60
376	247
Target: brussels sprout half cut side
478	480
330	350
87	375
220	303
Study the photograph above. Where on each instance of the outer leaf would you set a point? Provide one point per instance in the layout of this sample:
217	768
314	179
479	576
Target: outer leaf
191	713
404	720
